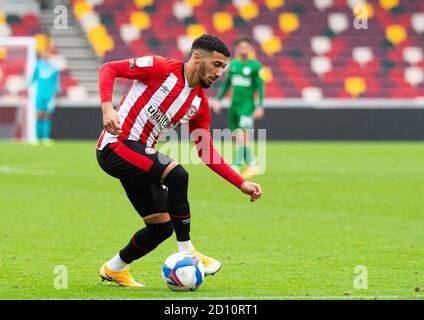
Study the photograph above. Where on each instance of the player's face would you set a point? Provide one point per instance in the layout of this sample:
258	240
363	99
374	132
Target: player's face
211	68
243	49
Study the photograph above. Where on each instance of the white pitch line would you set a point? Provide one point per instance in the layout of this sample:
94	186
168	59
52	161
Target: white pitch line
282	298
10	170
266	298
21	171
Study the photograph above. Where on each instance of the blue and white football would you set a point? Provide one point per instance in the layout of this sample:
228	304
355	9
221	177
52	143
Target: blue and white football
183	271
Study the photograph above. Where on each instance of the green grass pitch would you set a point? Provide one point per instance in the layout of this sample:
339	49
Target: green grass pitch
327	208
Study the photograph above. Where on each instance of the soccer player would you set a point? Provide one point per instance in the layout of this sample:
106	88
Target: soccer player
165	93
47	85
244	78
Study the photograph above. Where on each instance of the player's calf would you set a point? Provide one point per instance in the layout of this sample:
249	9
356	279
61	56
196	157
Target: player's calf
143	241
146	240
179	211
178	205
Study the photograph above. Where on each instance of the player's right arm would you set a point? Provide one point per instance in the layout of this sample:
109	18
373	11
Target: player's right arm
140	69
111	120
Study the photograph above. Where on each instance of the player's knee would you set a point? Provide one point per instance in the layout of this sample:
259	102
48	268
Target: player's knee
177	176
177	183
161	231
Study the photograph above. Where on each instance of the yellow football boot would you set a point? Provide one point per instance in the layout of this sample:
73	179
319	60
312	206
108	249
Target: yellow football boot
122	278
211	265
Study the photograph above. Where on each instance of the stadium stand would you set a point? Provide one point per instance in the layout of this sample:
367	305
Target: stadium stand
22	19
310	49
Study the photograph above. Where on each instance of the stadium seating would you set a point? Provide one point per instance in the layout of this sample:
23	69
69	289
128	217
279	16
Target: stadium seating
12	80
311	49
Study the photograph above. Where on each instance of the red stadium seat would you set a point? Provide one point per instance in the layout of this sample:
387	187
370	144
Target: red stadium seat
306	44
27	25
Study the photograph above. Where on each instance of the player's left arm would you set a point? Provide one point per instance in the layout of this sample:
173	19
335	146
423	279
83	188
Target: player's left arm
258	84
199	128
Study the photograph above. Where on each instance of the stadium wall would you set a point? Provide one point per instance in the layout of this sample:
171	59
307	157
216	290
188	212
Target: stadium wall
290	123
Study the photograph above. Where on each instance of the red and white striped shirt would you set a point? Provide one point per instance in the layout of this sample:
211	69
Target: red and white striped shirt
158	100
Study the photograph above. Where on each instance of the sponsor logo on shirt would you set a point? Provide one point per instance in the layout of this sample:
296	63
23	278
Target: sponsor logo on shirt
131	62
164	89
158	116
161	119
240	81
246	71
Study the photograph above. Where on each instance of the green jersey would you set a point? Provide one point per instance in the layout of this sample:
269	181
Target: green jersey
244	78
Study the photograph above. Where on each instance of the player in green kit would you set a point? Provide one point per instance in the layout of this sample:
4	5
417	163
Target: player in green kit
244	78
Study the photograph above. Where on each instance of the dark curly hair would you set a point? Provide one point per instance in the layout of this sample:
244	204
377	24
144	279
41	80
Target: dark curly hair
210	43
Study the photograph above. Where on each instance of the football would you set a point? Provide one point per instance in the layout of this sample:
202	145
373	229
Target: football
183	271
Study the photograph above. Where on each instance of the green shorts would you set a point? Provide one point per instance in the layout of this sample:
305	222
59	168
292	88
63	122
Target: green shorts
239	121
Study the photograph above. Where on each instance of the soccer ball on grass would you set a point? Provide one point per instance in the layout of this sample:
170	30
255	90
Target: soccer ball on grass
183	271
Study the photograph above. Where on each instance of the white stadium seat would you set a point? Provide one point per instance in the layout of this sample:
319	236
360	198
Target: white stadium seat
413	55
129	33
417	22
262	32
321	65
312	94
89	21
353	3
320	45
414	75
15	84
240	3
182	10
184	43
362	55
323	4
5	30
338	22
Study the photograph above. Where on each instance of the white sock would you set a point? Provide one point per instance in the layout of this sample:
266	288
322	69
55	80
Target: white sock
185	246
116	264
